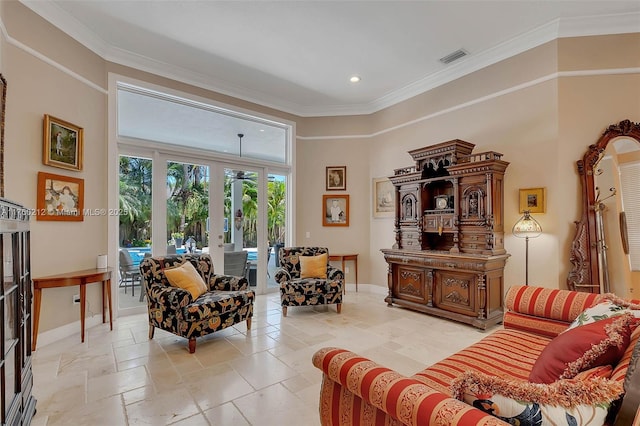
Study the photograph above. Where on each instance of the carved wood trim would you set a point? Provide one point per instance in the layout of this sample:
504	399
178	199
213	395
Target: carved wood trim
584	274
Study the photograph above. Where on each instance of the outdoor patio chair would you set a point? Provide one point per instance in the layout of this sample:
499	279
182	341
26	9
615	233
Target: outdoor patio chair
236	264
129	273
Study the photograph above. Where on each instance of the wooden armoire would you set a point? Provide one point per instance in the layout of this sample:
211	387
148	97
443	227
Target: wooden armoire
16	377
448	259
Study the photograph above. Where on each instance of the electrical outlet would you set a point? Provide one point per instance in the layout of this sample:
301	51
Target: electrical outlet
308	234
76	299
346	269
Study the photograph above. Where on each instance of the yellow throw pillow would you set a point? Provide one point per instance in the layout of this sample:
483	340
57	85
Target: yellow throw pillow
313	266
186	277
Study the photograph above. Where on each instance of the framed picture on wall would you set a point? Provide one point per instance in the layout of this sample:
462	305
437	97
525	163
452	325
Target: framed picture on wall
62	145
335	210
384	198
60	198
336	178
533	199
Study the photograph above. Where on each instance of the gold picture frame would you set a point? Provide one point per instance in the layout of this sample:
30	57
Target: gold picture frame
335	210
384	198
60	198
63	144
533	200
336	178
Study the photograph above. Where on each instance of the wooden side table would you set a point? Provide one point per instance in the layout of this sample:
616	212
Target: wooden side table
345	258
81	278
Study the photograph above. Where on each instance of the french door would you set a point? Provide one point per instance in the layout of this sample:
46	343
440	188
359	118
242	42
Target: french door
177	204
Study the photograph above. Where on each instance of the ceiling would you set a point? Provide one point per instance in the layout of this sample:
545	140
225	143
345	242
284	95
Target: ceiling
297	56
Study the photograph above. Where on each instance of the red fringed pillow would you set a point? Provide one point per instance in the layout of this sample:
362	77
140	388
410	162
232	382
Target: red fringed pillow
599	343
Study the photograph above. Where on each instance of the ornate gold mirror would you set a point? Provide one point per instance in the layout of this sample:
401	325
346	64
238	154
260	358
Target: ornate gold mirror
600	256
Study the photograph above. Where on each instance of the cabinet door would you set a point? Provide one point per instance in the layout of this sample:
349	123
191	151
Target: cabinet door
456	292
410	283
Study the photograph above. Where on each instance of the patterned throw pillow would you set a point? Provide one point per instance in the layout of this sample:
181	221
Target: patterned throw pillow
609	306
599	343
565	402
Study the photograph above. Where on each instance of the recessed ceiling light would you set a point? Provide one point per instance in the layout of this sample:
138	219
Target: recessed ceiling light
355	79
262	130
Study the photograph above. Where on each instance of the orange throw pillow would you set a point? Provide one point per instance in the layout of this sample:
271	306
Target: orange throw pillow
186	277
313	266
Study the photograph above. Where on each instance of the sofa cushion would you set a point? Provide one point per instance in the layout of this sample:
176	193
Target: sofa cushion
186	277
313	266
505	353
573	402
599	343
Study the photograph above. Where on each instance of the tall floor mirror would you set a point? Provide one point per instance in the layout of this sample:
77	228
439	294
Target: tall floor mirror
605	253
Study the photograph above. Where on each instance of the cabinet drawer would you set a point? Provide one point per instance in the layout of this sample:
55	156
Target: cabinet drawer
456	292
410	239
410	283
473	243
437	222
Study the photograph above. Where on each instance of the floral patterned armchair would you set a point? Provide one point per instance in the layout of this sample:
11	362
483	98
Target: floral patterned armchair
227	301
296	291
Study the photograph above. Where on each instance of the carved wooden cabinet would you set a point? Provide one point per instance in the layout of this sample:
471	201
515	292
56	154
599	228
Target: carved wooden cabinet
16	377
449	256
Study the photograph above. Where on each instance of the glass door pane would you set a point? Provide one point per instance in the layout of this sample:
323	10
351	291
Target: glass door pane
241	229
276	223
134	226
187	208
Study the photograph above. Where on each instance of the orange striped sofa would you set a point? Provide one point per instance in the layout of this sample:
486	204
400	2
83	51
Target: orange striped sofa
357	391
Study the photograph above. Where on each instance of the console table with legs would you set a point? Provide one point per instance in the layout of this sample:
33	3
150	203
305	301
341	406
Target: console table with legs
345	258
80	278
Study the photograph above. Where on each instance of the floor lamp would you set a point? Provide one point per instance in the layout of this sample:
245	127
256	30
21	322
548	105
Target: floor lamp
526	227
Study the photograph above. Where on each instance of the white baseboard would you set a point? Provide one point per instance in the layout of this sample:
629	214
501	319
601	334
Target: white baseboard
56	334
368	288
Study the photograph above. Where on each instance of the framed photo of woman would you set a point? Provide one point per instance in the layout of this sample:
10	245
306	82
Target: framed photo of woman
336	178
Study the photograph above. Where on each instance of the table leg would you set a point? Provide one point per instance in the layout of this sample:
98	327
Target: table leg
109	302
37	298
355	264
83	297
103	302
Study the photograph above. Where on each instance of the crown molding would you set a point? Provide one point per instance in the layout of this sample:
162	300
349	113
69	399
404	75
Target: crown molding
559	28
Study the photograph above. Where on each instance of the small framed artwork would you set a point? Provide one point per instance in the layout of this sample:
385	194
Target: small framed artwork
533	199
335	210
60	198
62	145
384	198
336	178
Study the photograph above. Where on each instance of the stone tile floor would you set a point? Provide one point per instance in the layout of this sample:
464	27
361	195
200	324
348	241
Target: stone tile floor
263	376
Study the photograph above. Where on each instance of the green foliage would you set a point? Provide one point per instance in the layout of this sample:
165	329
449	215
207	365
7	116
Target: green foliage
188	203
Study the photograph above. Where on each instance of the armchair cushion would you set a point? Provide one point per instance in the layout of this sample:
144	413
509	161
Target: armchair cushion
185	276
313	266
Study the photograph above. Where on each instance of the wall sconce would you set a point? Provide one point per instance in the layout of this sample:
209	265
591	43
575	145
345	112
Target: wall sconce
526	227
238	219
